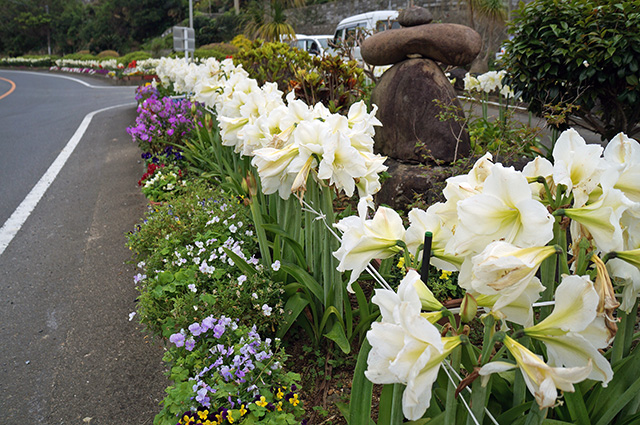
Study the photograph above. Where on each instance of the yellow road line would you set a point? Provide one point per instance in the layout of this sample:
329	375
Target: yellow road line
13	87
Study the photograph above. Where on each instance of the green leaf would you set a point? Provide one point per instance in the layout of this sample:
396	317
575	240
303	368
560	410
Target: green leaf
297	249
165	278
615	405
632	80
390	410
240	263
337	335
576	406
295	305
300	275
361	390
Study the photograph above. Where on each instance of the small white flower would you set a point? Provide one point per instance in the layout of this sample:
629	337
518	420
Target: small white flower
131	315
233	228
266	310
276	265
249	233
242	279
255	296
192	287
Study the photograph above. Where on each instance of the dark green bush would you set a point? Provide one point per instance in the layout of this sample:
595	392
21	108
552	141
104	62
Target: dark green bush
219	51
579	61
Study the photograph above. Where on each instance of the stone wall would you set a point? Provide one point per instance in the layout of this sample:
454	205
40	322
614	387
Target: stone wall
323	18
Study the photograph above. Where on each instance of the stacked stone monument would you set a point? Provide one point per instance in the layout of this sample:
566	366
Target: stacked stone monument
407	92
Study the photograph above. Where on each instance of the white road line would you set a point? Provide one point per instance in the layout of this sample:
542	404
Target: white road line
14	223
77	80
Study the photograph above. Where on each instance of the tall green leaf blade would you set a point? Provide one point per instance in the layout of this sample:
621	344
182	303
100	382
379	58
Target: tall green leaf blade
361	390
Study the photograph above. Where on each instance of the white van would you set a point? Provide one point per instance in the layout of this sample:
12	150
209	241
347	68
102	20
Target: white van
371	22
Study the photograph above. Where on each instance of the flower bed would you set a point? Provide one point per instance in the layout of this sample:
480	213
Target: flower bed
540	258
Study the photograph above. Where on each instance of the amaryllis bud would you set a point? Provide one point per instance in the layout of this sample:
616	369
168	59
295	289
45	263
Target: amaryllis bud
468	308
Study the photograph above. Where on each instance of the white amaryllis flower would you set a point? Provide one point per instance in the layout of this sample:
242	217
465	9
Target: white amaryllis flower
490	81
600	220
623	153
277	169
520	310
369	183
408	352
341	163
462	187
365	239
577	165
628	276
505	210
543	381
539	167
571	332
504	270
428	221
471	83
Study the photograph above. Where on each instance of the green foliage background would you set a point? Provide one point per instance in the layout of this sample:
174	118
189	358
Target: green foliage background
579	53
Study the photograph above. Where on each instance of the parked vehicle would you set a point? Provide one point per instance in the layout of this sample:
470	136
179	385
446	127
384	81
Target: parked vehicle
349	29
314	44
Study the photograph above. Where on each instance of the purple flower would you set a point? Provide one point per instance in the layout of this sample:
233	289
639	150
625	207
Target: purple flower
190	344
218	330
195	329
208	323
177	339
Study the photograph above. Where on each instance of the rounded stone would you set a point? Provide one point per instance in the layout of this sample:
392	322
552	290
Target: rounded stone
413	16
411	130
451	44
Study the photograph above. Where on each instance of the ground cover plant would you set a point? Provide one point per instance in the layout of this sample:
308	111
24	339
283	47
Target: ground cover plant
541	265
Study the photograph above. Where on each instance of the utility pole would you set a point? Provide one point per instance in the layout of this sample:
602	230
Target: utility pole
46	8
191	22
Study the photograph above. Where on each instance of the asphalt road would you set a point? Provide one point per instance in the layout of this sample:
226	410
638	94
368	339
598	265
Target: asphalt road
68	352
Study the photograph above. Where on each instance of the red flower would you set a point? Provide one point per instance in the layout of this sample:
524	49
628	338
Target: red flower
133	64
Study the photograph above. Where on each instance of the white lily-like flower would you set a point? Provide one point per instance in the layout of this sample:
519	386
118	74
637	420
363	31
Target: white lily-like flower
471	83
369	183
543	381
275	169
539	167
505	210
624	153
600	220
408	351
520	310
504	270
628	276
577	165
364	239
462	187
341	164
571	333
428	221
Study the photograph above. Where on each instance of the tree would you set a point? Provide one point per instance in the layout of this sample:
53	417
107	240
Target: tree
579	60
268	19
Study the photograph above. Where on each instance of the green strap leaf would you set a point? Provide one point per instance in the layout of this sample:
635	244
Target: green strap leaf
295	305
240	263
300	275
337	335
361	390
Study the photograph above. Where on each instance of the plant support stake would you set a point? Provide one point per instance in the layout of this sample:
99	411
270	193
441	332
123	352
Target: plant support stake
426	256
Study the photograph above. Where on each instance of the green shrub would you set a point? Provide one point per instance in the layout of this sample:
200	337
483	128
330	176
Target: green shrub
108	54
80	56
137	56
272	62
579	61
219	51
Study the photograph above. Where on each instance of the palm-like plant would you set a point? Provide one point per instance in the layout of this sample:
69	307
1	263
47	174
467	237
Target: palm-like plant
268	20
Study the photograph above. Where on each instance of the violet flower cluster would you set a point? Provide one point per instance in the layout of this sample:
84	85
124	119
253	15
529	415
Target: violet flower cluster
242	359
162	122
